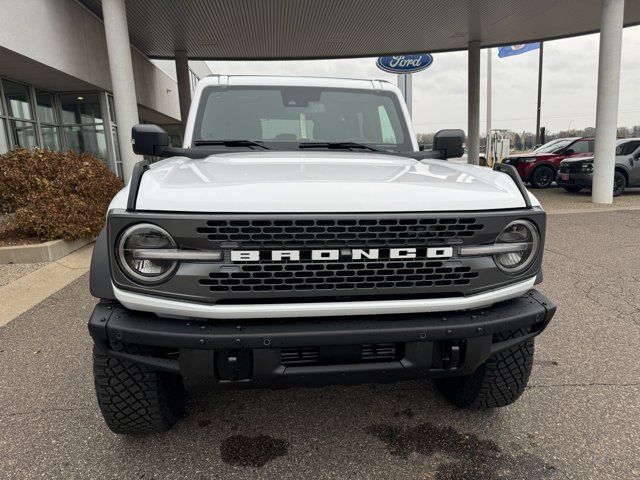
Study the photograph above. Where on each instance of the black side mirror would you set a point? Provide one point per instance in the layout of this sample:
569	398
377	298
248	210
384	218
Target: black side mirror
149	140
568	151
449	143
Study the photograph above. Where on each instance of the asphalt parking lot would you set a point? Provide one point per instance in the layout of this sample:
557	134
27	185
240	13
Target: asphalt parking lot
579	418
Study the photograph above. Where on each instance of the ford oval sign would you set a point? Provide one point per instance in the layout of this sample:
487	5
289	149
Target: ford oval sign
405	63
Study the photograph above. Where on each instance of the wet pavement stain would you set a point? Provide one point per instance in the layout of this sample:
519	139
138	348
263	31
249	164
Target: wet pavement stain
466	457
252	451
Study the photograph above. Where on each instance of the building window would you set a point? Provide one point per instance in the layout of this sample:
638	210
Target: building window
83	123
34	117
114	134
20	119
4	139
48	118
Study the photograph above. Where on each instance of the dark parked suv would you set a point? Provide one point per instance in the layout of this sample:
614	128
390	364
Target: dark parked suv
539	168
576	173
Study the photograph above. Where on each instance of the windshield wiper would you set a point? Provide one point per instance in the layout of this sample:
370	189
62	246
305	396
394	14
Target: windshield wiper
338	146
230	143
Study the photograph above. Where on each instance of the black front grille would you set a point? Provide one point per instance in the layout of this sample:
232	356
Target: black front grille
356	232
317	277
341	280
511	161
572	167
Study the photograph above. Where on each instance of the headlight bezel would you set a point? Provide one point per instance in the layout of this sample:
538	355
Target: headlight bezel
532	253
130	272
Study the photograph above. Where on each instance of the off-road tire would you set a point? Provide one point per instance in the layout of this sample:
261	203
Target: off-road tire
572	189
134	399
542	177
497	382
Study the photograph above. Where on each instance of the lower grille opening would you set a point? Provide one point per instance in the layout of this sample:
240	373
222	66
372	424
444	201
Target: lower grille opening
340	354
299	356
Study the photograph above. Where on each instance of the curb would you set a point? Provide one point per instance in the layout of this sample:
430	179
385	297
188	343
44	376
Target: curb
41	252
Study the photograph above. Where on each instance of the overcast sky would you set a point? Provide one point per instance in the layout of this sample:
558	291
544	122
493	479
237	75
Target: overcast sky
440	92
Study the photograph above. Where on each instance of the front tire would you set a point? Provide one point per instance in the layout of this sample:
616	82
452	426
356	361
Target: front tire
619	183
542	177
134	399
498	382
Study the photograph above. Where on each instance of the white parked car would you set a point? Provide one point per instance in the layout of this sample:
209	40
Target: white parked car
299	237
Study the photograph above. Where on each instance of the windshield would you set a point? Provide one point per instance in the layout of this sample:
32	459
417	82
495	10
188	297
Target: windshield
285	117
546	145
554	146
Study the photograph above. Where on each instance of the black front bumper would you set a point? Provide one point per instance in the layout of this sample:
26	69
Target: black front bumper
582	180
234	354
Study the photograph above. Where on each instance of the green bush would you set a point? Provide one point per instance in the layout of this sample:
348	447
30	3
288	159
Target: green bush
55	194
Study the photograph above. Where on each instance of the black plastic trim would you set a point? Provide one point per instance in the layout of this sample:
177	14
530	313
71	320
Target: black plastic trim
513	173
134	184
100	284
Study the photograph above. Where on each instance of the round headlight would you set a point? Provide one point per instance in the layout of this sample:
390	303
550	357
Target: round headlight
526	236
131	246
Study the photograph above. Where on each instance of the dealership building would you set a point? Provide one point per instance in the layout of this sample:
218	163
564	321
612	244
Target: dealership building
55	81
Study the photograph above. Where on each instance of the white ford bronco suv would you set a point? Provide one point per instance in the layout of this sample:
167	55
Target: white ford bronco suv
299	237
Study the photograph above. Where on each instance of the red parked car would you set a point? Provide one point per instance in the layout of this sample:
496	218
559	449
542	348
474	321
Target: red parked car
539	168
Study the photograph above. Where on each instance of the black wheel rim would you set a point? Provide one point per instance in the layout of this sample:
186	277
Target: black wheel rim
544	176
618	184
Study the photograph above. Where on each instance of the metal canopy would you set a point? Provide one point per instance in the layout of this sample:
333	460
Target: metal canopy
299	29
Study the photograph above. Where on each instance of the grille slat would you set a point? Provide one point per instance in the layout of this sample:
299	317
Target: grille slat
402	275
369	352
340	232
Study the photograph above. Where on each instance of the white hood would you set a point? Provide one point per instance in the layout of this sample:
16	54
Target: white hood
262	182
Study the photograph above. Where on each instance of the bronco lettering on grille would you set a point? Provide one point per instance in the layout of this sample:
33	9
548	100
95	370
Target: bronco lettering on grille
338	254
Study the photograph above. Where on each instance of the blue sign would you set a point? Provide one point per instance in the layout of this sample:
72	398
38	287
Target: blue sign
405	63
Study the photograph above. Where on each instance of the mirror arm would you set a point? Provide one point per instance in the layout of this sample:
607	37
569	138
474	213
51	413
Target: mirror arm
165	151
424	154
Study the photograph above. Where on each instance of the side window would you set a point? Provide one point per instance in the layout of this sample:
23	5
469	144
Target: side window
630	148
581	146
388	134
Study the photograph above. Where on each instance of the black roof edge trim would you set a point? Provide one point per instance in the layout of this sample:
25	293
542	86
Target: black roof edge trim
134	184
513	173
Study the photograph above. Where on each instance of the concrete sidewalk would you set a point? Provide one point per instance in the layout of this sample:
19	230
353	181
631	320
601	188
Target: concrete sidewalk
26	291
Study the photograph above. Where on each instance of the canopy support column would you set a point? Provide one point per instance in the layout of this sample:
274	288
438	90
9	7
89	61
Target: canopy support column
122	81
607	103
473	135
184	85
